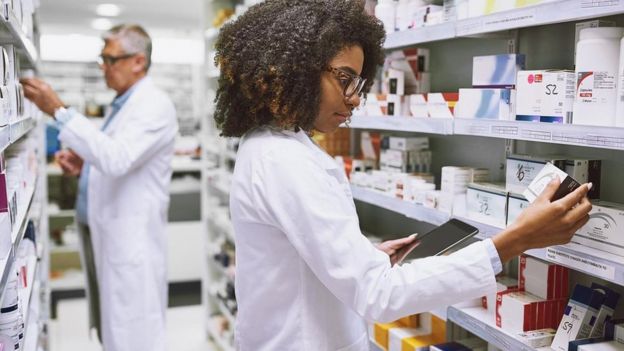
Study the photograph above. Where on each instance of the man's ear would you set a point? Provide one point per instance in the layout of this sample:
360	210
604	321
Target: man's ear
139	63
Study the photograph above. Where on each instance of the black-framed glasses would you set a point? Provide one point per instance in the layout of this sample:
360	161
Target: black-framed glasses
110	60
352	84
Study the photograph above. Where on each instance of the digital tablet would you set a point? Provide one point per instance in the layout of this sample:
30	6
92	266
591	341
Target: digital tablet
440	239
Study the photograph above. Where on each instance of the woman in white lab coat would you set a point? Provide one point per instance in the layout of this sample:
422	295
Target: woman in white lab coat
307	279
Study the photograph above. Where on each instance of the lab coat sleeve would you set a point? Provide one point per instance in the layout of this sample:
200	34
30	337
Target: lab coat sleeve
320	221
142	135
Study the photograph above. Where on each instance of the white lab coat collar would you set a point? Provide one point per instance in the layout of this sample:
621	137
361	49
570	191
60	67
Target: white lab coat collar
323	157
137	88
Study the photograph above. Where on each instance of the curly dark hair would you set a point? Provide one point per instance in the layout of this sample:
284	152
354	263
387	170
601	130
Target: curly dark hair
271	59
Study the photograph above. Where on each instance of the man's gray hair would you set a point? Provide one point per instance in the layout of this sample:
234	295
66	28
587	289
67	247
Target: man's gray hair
133	39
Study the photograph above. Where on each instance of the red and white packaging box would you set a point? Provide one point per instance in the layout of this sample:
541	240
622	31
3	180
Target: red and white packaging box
520	311
503	284
545	280
441	105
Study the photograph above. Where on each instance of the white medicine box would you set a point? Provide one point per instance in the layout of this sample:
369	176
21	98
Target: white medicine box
516	203
487	203
522	169
408	143
545	96
605	228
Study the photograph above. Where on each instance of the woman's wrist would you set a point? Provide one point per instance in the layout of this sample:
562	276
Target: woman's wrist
509	243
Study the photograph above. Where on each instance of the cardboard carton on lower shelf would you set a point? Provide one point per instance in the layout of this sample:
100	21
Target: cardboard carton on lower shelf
519	311
595	344
503	284
467	344
397	335
412	321
538	338
437	335
382	333
546	280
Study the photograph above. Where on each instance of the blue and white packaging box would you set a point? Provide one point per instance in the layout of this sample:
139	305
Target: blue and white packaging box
545	96
606	311
579	316
598	346
497	104
496	71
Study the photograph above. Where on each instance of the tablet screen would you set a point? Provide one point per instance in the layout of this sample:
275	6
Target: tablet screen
440	239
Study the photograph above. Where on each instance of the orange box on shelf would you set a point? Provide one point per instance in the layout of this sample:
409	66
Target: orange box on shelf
382	333
437	335
412	321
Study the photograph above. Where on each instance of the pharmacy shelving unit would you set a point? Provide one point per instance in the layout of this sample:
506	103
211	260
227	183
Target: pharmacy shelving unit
31	209
519	29
510	31
35	297
82	85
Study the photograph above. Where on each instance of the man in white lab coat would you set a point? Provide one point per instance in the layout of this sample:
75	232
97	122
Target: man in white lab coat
125	171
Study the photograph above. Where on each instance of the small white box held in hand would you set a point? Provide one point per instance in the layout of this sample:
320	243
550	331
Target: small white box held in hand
544	177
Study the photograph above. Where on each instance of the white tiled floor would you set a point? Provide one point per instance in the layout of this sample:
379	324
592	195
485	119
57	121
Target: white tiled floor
69	331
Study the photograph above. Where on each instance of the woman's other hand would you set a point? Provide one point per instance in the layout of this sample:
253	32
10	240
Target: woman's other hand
397	249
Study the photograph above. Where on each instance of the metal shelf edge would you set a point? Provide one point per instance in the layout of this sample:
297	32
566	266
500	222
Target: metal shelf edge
19	39
486	331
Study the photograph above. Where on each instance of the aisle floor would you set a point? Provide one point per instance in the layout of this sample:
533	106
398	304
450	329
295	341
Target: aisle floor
69	331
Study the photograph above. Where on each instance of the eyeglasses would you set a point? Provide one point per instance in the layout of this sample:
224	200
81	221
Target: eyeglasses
110	60
352	84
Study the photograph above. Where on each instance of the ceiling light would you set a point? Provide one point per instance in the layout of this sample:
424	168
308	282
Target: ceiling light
108	10
101	24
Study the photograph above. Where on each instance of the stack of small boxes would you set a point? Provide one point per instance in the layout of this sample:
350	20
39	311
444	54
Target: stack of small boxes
537	304
405	72
586	317
454	186
405	154
492	95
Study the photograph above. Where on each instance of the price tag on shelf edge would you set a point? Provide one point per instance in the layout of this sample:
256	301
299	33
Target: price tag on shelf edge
583	264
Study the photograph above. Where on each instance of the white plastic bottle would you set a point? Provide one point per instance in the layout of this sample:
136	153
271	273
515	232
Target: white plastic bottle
597	63
385	11
619	112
